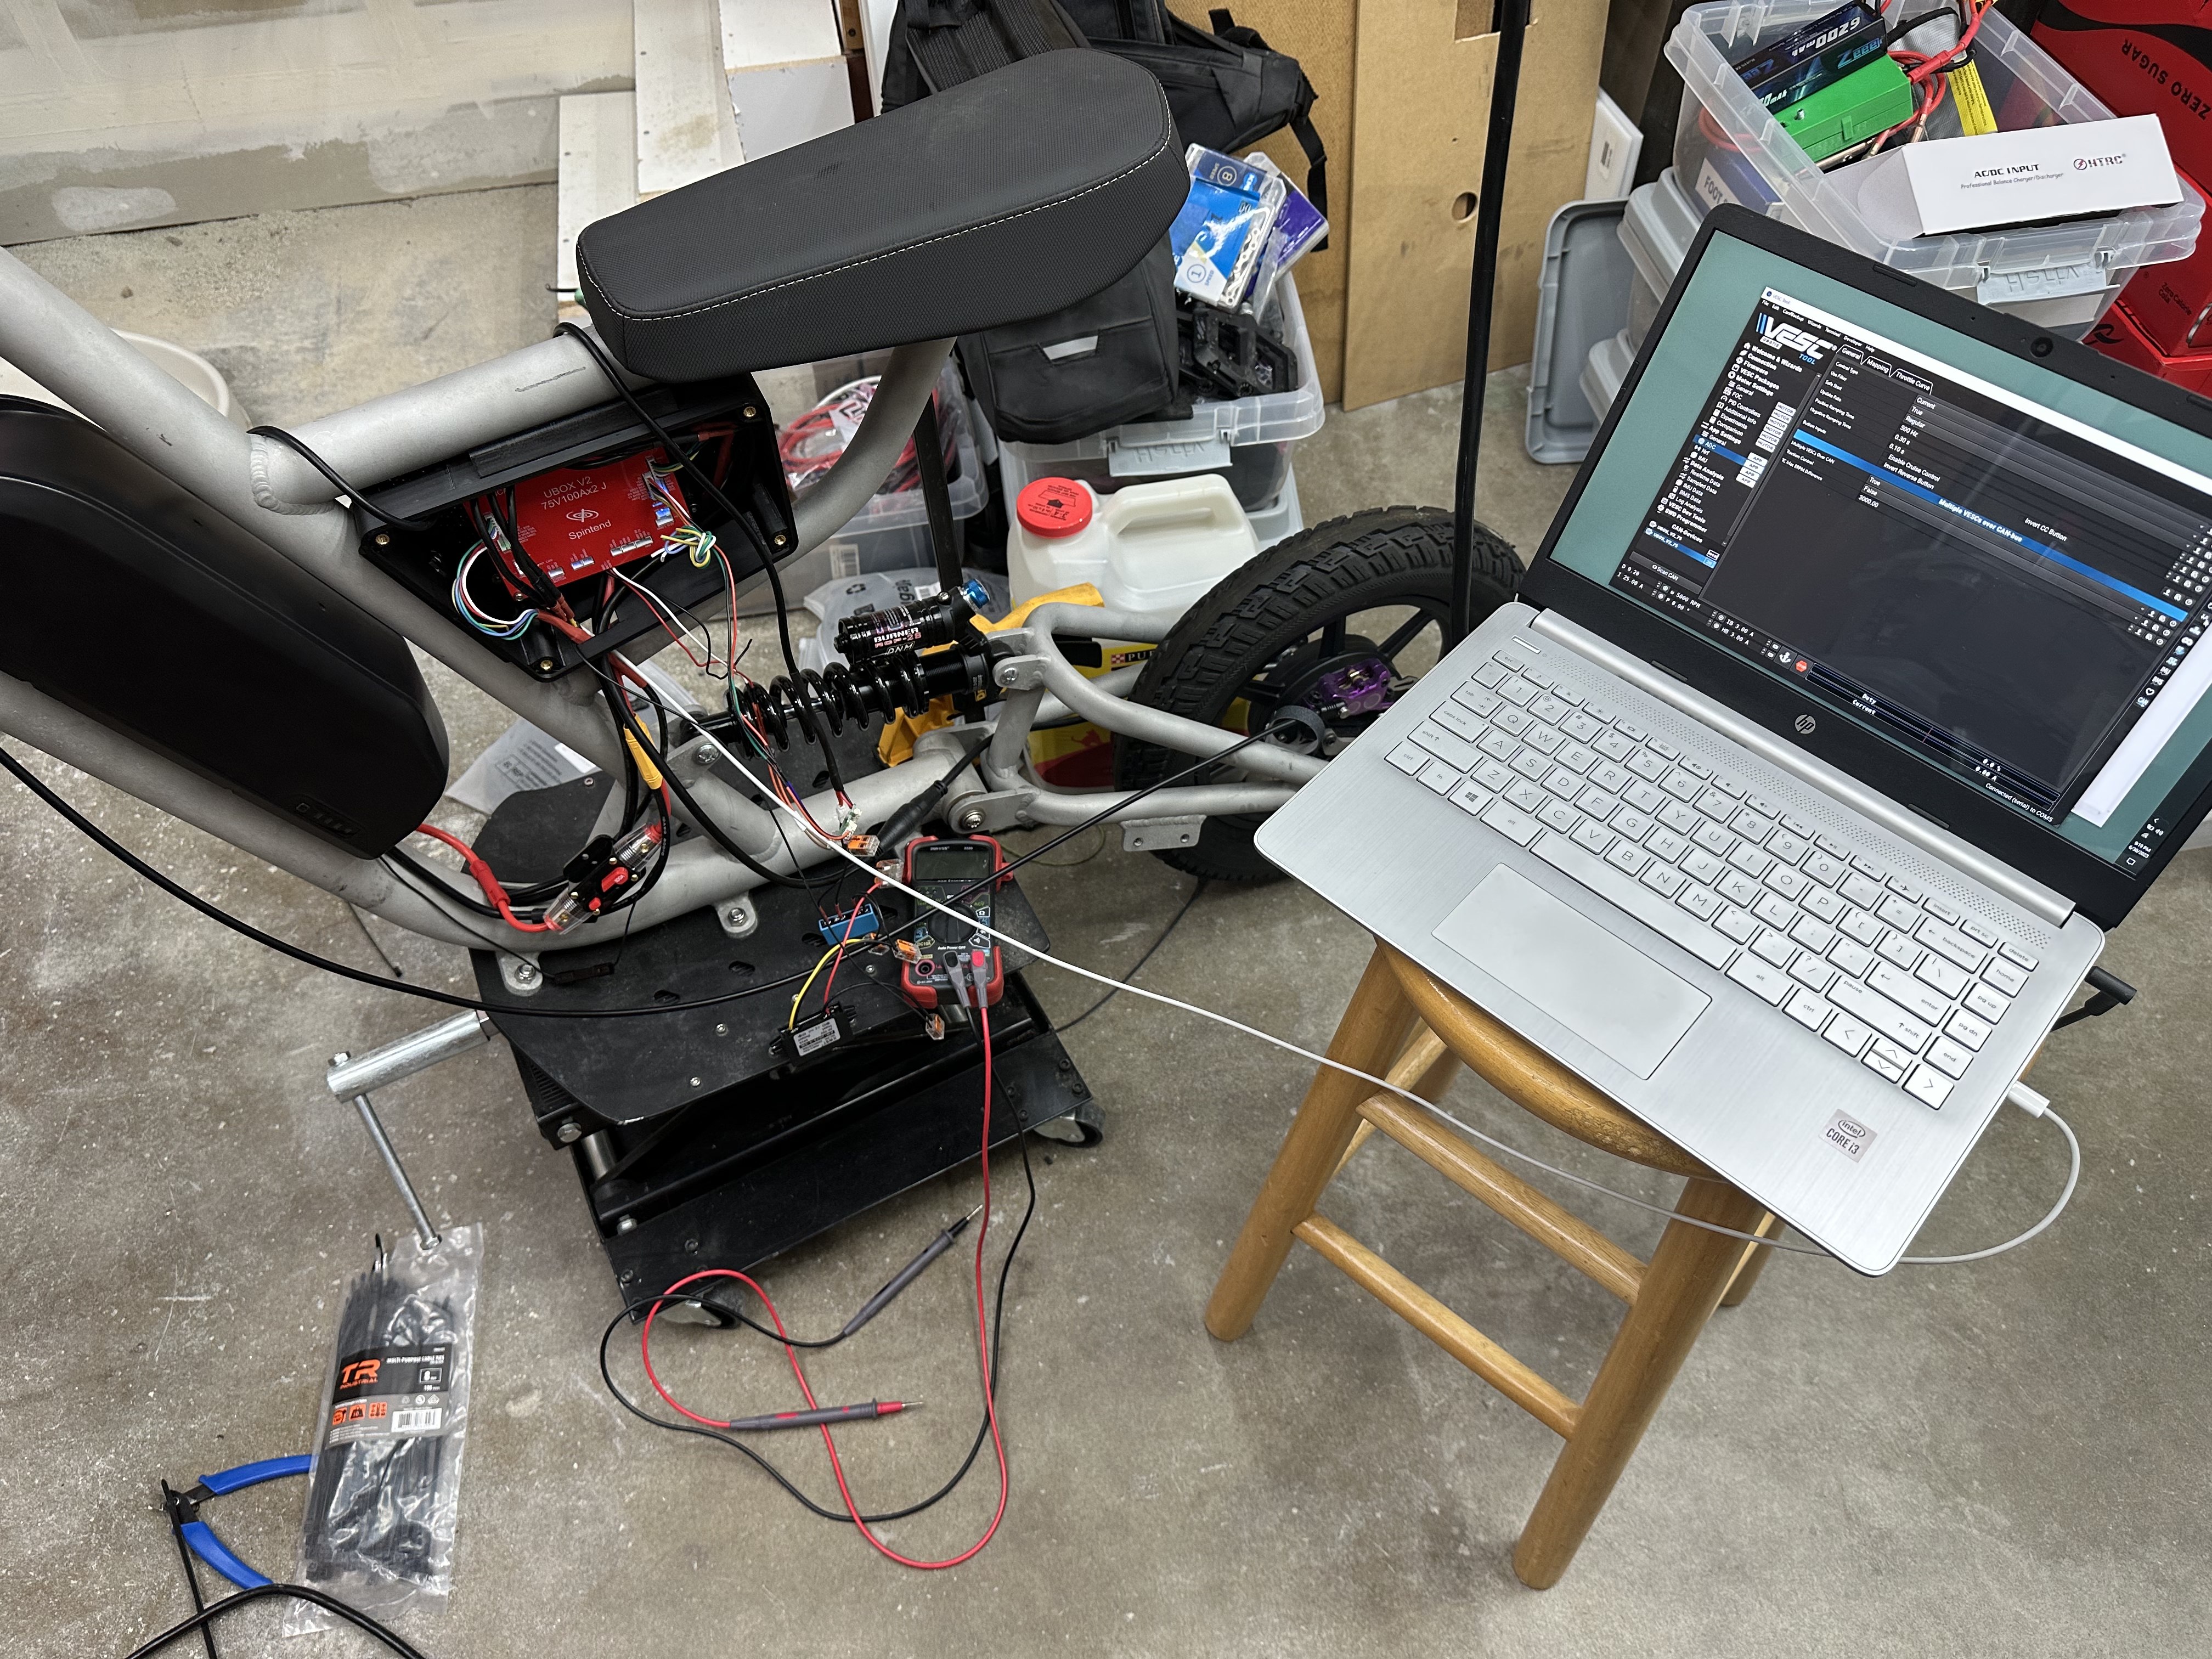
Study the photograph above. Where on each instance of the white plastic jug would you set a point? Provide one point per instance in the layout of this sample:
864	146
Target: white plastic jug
1151	547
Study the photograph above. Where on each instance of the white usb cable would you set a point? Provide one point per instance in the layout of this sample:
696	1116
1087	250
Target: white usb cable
2019	1094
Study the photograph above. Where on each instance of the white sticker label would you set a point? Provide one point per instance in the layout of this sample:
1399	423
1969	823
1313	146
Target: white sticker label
820	1035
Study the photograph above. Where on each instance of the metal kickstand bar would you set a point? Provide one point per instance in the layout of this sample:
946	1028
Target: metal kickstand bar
352	1079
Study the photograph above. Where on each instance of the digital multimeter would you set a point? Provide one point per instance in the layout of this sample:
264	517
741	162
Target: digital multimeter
943	868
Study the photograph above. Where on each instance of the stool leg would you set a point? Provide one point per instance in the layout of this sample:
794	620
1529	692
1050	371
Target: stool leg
1681	1286
1369	1036
1751	1264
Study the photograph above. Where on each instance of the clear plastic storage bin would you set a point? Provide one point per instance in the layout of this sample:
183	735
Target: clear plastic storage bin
1657	228
1247	440
892	531
1728	148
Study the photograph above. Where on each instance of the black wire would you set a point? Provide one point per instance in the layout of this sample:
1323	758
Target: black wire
721	837
330	473
191	1574
760	549
109	844
359	1620
1096	818
982	1431
1204	882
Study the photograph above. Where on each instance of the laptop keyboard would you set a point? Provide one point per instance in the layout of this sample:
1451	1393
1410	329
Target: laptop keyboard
1895	977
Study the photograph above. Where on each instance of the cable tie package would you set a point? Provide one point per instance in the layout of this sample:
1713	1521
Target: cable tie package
1221	234
384	1495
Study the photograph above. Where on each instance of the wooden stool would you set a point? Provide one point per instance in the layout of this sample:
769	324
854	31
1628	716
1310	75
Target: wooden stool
1401	1014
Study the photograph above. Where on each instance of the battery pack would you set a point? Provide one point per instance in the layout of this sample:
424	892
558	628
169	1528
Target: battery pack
1865	102
1788	71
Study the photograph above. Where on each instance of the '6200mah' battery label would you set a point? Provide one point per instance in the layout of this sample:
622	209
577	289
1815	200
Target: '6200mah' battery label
390	1394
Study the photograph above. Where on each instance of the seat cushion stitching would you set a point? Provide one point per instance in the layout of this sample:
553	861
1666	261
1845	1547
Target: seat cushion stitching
584	264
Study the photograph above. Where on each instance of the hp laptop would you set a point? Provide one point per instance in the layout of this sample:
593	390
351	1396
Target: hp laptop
1858	687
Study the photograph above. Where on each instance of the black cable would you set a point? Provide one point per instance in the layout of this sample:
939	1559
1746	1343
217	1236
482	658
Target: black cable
359	1620
360	499
1204	882
721	837
982	1431
138	866
191	1574
761	549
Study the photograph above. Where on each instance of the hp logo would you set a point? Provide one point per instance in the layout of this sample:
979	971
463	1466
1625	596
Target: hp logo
1805	723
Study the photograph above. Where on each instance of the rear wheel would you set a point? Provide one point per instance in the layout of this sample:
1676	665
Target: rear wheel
1329	628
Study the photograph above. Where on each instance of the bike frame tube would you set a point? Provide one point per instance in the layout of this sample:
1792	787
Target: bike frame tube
278	497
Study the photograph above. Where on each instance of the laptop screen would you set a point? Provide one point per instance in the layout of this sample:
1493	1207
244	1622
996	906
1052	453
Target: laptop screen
1999	571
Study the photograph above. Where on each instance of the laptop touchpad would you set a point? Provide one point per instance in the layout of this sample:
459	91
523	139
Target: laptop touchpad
1606	992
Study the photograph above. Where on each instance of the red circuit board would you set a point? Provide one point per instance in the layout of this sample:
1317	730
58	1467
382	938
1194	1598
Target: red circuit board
579	521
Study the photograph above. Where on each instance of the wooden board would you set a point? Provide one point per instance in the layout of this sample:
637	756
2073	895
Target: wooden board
599	175
685	127
1421	113
1319	35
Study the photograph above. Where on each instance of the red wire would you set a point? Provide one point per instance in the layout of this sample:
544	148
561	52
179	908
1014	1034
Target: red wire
982	1351
485	879
836	961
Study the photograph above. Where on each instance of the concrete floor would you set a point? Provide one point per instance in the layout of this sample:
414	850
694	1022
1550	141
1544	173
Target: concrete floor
2005	1459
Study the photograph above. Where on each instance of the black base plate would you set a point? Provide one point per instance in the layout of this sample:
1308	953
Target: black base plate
698	1143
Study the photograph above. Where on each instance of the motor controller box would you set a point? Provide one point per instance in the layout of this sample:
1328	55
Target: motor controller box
579	521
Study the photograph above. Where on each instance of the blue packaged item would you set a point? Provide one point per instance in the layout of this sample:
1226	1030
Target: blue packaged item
1220	236
1299	226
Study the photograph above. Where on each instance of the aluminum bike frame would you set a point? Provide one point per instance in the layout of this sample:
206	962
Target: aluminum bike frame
276	495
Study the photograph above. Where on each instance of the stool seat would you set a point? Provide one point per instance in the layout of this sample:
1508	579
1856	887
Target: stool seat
1403	1019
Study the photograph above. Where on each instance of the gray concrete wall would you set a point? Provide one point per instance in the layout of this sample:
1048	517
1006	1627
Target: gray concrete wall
133	114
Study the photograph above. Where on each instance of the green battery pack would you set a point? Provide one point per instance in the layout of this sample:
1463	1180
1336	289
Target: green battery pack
1863	103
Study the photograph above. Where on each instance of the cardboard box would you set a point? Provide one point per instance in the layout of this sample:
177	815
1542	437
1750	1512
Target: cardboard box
2169	303
2137	57
2118	336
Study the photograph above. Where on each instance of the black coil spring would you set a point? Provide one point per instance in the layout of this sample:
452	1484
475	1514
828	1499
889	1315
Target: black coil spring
835	695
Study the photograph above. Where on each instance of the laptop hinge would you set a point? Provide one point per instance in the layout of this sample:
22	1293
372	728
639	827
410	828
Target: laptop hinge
1900	821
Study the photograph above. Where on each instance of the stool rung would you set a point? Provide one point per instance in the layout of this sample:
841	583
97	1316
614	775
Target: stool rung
1559	1231
1524	1386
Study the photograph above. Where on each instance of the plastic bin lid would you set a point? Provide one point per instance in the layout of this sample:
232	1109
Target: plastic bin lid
1661	223
1582	298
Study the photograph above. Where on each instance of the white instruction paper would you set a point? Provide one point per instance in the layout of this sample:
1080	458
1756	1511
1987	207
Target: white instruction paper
521	758
2074	171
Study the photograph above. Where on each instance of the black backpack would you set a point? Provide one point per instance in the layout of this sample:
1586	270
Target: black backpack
1113	357
1227	89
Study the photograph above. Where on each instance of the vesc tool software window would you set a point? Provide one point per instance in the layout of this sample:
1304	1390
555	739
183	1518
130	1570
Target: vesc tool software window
1987	584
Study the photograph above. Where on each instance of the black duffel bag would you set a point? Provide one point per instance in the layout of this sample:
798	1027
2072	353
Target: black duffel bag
1112	357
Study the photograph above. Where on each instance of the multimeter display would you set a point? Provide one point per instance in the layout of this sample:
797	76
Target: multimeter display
956	862
943	870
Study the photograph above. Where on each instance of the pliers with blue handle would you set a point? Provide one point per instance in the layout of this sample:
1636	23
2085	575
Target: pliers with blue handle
183	1508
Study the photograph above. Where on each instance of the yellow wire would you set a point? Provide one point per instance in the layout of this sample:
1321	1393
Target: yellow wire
792	1019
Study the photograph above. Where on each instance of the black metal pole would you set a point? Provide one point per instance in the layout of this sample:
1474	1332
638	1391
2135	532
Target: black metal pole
936	499
1504	87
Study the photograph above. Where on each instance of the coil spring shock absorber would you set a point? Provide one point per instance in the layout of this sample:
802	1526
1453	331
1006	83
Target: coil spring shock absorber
903	680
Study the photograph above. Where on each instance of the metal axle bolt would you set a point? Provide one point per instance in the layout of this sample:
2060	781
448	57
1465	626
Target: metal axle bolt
569	1132
526	974
627	1224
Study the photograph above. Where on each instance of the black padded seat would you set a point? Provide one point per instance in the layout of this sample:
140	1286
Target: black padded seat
998	200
